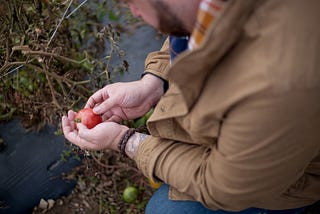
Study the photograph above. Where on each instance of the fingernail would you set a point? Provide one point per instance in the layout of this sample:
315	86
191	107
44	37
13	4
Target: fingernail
96	110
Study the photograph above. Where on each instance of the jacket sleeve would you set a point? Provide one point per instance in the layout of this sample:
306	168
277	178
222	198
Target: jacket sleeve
254	158
158	62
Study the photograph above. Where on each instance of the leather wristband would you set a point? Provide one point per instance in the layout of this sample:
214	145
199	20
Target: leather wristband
124	140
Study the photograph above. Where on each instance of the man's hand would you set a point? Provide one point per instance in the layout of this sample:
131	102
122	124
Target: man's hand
123	101
105	135
115	102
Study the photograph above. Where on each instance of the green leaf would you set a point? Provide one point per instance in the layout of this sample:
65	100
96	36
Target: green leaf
88	65
113	16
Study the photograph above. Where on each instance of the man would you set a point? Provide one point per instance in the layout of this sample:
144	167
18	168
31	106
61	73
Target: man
237	128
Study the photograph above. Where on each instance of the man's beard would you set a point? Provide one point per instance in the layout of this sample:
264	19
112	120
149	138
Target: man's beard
168	22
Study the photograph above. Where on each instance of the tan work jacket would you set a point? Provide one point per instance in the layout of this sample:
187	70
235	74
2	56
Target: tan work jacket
239	125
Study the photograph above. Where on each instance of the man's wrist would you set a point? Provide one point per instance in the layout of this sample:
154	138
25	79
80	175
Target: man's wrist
124	140
156	80
133	144
153	88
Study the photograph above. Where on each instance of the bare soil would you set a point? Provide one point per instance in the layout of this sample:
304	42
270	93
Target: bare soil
101	180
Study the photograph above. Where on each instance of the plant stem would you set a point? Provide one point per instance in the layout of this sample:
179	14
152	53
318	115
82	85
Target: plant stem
42	53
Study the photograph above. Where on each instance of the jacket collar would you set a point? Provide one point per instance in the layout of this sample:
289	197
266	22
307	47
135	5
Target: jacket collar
190	69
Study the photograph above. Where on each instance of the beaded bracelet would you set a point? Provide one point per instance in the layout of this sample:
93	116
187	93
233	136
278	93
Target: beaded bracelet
124	140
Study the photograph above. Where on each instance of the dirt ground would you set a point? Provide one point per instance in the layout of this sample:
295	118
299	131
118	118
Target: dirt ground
102	179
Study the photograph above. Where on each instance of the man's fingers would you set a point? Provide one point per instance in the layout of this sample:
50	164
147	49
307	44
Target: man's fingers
105	106
73	135
85	138
81	127
96	99
71	117
65	125
84	133
68	130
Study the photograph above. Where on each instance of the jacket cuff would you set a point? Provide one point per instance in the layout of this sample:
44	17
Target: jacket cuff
158	62
145	160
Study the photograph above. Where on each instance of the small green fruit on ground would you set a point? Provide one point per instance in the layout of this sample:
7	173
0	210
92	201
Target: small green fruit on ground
130	194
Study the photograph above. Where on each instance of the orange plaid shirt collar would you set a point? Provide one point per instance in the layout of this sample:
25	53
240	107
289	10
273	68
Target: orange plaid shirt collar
209	11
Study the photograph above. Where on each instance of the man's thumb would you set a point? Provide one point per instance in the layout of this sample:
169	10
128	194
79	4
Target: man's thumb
83	131
104	106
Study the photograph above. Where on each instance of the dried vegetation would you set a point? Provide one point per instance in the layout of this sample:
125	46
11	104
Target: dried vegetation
53	56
